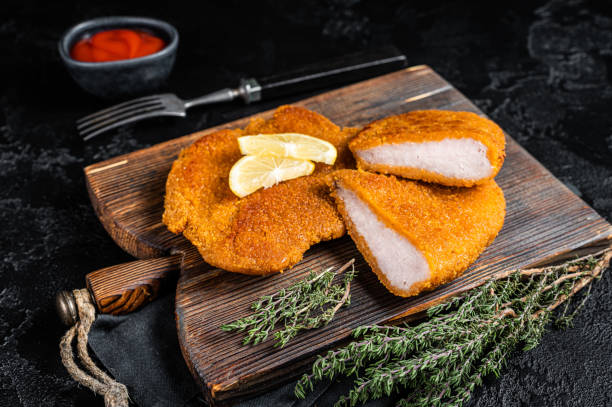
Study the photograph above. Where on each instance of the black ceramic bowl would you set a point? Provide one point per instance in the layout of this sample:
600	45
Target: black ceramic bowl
126	77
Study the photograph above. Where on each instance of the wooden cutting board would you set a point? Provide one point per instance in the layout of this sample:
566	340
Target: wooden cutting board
545	221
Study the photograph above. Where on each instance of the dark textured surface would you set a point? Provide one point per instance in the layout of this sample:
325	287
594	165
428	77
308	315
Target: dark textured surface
542	71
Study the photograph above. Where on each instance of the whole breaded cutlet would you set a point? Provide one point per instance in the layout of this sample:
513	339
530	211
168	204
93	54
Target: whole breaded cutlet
416	236
269	230
440	146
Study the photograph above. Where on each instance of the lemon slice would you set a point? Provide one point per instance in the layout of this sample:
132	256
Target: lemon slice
252	172
294	145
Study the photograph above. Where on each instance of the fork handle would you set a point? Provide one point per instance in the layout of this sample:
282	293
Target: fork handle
334	72
223	95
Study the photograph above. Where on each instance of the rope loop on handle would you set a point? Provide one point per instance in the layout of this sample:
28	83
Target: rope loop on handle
91	376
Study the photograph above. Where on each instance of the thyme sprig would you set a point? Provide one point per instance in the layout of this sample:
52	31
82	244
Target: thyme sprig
441	361
308	304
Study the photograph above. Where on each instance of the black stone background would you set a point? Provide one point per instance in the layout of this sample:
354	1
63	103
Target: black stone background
543	71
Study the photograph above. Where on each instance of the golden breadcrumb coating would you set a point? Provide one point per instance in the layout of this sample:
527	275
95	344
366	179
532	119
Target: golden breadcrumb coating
270	229
449	226
431	125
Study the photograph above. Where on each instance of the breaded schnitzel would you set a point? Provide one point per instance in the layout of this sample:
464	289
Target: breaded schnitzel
445	147
417	236
269	230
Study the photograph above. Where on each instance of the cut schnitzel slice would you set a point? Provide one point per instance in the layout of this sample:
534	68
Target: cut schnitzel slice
269	230
445	147
417	236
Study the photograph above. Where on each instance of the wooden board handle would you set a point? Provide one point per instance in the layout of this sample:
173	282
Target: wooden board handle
124	288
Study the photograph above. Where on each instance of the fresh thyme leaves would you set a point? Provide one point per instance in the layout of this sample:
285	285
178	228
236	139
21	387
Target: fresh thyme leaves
441	361
308	304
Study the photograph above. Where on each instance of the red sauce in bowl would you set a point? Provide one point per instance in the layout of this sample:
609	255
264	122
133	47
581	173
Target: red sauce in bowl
114	45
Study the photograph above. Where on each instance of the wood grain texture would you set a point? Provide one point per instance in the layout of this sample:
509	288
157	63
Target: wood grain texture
125	287
545	221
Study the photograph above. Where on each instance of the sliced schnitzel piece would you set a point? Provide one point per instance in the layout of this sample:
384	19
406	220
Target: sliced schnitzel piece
417	236
269	230
445	147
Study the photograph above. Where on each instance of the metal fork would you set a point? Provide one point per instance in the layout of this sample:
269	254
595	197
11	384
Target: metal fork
166	104
341	70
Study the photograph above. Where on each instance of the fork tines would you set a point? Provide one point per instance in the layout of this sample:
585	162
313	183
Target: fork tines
120	114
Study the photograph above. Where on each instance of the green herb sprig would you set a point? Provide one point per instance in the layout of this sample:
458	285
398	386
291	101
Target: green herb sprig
441	361
308	304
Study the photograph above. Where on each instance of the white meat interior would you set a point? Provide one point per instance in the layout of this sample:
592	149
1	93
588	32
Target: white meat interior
401	262
463	158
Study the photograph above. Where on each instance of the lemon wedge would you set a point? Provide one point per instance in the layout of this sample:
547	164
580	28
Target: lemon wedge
252	172
294	145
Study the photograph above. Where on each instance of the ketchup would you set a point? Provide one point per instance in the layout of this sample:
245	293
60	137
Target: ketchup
113	45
